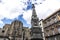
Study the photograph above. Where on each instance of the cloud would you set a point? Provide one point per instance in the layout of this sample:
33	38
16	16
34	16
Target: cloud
11	9
43	10
27	16
1	24
0	1
47	8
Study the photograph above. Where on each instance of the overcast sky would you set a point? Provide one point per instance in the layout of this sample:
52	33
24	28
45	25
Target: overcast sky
22	10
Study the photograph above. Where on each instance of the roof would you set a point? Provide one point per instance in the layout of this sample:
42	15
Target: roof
52	14
17	21
6	25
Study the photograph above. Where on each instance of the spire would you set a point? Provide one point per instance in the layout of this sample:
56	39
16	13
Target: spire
36	33
33	10
34	18
33	6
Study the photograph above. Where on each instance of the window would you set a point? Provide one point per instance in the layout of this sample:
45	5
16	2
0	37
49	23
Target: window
53	31
47	32
3	31
53	17
59	13
45	22
59	29
48	20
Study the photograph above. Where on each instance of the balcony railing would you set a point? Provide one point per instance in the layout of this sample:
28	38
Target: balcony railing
51	22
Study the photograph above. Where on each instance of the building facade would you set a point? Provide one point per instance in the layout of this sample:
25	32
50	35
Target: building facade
41	25
3	35
26	33
51	26
6	29
14	31
36	31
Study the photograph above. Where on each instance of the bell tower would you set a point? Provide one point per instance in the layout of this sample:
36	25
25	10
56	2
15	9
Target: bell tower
36	32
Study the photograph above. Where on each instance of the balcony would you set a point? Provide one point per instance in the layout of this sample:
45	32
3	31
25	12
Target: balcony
50	22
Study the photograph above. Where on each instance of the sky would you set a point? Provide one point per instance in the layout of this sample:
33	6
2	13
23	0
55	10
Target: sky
11	10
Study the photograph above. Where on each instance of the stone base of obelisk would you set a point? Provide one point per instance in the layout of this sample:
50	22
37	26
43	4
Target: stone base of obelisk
36	39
